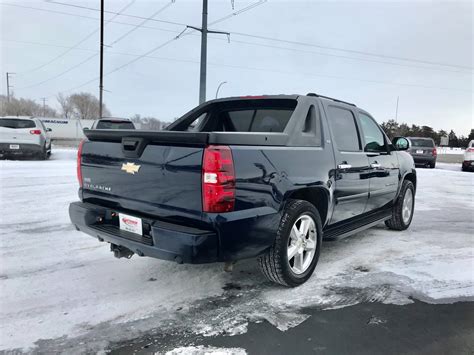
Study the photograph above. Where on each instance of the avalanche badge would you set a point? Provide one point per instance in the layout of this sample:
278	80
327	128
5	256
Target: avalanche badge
131	168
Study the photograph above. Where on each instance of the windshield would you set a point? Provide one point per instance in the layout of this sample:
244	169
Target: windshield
422	142
16	123
107	124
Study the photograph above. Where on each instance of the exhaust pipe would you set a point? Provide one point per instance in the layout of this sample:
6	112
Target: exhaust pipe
120	251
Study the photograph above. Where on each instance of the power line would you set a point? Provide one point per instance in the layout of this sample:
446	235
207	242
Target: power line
349	50
306	74
83	16
246	35
138	57
349	58
143	22
266	46
94	55
114	13
76	45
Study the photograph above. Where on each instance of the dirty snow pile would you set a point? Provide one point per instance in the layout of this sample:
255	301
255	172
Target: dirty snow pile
61	289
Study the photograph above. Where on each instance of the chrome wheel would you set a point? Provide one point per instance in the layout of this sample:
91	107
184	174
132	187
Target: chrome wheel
302	244
407	207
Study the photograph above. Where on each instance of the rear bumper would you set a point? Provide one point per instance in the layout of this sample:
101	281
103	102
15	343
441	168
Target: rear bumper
234	236
161	240
423	159
24	149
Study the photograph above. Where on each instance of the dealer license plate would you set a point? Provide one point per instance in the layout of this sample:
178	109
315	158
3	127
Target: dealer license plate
130	224
14	146
419	152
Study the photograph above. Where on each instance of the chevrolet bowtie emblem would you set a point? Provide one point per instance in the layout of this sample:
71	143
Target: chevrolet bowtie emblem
130	168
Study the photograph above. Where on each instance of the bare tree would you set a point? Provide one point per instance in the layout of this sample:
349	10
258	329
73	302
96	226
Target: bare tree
24	107
148	123
67	108
81	105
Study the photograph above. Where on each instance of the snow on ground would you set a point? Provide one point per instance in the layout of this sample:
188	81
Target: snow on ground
205	350
61	289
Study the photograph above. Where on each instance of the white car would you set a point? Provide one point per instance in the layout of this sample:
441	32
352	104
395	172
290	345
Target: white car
468	161
24	136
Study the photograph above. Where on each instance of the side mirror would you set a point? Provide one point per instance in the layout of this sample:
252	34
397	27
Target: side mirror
48	130
401	143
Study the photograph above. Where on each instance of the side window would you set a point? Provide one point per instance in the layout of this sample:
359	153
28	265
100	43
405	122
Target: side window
344	129
42	125
195	125
373	136
312	125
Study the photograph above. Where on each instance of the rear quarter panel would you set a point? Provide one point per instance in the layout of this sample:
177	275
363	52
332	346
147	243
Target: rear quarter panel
265	178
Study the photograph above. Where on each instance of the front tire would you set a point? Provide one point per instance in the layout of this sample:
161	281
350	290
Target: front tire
402	212
293	257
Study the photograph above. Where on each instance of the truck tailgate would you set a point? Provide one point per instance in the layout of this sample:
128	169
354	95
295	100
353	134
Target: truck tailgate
135	172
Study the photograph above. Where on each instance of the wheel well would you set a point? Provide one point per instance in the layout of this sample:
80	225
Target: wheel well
316	196
412	178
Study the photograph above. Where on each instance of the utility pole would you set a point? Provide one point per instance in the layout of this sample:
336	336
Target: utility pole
101	84
203	70
8	85
44	106
396	110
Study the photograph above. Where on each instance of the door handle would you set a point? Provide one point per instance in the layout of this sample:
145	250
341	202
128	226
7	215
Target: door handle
344	165
375	165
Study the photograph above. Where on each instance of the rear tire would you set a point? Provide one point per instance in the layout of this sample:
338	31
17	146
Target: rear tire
432	165
402	212
44	154
277	264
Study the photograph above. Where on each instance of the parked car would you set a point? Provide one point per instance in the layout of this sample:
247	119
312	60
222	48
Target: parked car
113	123
468	160
423	151
24	136
264	177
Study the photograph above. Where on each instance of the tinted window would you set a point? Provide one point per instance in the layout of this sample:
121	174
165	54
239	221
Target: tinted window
260	120
344	129
241	120
373	136
246	115
103	124
16	123
419	142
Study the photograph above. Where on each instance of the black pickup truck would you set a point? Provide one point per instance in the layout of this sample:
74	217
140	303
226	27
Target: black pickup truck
236	178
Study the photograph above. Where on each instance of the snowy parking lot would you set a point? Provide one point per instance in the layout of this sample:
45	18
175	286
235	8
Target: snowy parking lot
61	289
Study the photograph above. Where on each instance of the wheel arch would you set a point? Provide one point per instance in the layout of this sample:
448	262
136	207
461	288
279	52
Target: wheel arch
411	176
317	196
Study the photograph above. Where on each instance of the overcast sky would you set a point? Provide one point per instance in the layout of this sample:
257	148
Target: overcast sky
366	37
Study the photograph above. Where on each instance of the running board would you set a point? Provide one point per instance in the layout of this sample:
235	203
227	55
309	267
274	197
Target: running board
359	224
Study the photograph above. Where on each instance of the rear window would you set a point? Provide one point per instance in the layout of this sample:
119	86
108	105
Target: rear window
107	124
16	123
422	143
254	115
258	120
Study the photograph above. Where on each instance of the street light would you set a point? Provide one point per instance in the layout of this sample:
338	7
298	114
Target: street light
217	91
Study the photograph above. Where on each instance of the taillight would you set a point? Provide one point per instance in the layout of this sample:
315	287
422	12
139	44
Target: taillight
218	180
79	161
434	152
470	150
35	131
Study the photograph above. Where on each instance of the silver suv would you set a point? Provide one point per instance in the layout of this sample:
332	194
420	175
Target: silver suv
24	136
